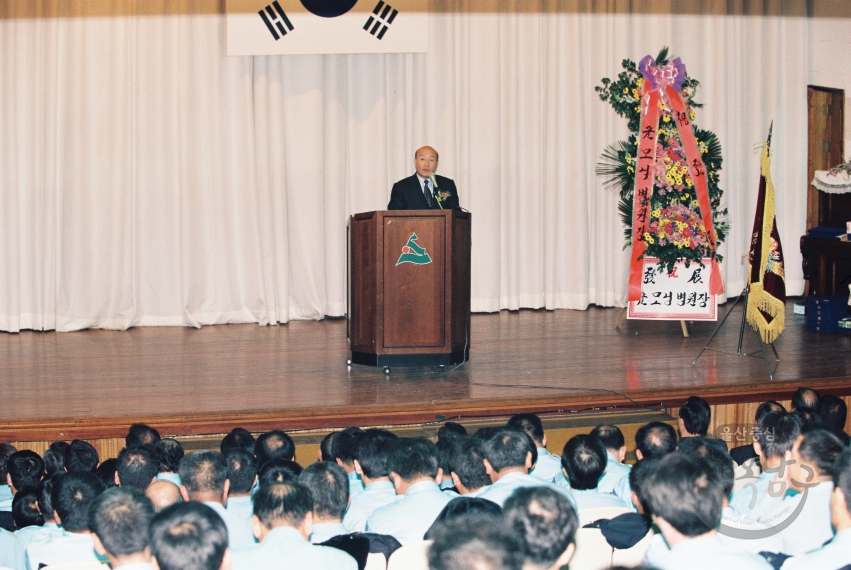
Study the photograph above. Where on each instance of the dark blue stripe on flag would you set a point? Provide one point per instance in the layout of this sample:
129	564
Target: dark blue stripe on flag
375	27
281	27
368	23
382	32
283	15
392	17
269	25
378	7
386	11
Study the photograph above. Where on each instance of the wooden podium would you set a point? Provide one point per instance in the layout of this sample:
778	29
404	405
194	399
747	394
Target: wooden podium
409	287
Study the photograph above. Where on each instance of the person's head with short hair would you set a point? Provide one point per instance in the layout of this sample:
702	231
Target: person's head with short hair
54	457
189	536
282	505
141	434
6	451
613	440
683	500
204	477
119	519
806	398
807	417
371	452
475	542
584	461
279	471
242	472
812	457
163	494
508	450
344	447
274	444
637	477
238	438
466	465
24	468
81	456
326	446
546	521
834	411
106	472
463	506
451	430
531	425
412	460
25	508
168	453
766	407
329	487
71	496
711	454
774	435
484	433
137	467
45	497
840	499
655	440
694	417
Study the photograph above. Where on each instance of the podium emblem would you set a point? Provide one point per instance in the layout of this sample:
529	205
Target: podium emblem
413	253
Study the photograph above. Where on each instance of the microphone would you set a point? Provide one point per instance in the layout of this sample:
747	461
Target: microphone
434	190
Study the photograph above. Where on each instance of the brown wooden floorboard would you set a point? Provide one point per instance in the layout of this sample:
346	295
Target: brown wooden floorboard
94	383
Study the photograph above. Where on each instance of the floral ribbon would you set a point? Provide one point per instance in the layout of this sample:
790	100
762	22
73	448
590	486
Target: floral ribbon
663	85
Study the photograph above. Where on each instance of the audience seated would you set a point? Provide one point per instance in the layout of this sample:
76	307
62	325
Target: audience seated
329	489
242	474
278	471
25	509
274	444
372	450
326	446
806	398
137	467
283	521
463	506
119	520
744	452
141	434
54	457
12	553
189	536
168	453
475	542
834	411
416	475
163	494
584	460
546	523
694	417
613	441
6	451
106	472
71	496
637	477
81	456
204	476
344	454
547	466
508	459
467	467
837	552
686	507
652	441
24	470
50	527
238	438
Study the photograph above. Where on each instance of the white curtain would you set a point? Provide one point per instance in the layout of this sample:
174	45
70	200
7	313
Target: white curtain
146	178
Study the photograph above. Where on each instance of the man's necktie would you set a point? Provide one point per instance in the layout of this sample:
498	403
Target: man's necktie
427	192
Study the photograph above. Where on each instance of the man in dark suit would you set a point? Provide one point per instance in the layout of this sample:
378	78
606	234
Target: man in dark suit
418	192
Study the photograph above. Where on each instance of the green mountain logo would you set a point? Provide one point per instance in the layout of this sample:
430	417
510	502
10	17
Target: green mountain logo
413	253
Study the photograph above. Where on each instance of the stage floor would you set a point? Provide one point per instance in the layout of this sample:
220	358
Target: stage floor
195	381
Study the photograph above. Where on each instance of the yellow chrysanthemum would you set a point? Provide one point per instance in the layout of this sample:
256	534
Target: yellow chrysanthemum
648	238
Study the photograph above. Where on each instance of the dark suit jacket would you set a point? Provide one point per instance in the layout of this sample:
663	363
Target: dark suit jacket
407	194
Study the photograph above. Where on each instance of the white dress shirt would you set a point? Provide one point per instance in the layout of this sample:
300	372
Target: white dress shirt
12	554
594	499
355	484
548	465
615	471
65	548
499	491
705	553
241	507
240	533
835	554
374	496
326	531
624	490
285	547
35	533
409	517
744	502
170	477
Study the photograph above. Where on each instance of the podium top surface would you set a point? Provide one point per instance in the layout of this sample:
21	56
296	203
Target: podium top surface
404	213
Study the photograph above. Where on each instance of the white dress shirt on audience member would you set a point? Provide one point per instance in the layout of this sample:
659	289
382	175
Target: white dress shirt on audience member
613	441
12	554
548	466
378	489
170	477
329	488
37	533
585	459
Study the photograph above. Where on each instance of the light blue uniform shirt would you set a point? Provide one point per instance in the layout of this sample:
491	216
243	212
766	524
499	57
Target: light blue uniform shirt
615	471
11	551
66	548
355	484
35	533
499	491
240	533
241	507
170	477
835	554
374	496
744	501
594	499
6	498
624	490
409	517
707	553
548	465
326	531
285	547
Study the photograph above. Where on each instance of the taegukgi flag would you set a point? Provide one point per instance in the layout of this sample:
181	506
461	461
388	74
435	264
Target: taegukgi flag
279	27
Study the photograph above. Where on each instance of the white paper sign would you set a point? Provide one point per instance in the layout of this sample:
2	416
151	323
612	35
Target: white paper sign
682	295
278	27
